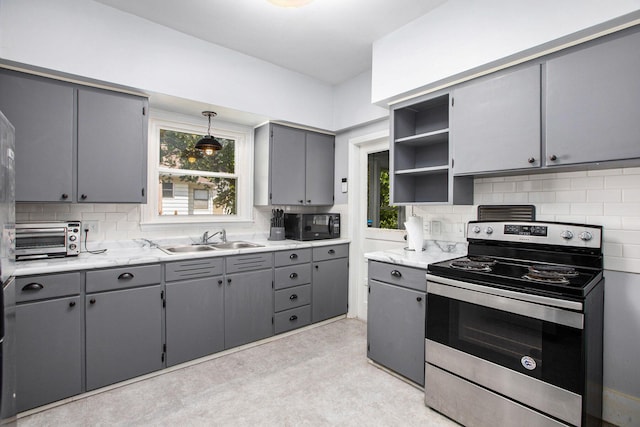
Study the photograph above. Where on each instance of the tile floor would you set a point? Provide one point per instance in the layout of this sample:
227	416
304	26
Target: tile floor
319	377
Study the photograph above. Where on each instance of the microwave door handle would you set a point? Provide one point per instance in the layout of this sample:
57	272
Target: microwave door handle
330	225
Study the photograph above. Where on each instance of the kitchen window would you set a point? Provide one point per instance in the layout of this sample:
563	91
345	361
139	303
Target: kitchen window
186	186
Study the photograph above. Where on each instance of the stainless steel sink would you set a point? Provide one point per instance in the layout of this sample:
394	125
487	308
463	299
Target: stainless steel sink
186	248
181	249
239	244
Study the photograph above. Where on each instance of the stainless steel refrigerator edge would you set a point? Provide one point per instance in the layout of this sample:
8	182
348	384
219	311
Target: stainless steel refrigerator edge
7	258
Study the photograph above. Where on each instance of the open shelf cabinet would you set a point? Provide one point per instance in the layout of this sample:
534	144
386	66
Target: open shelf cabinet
421	154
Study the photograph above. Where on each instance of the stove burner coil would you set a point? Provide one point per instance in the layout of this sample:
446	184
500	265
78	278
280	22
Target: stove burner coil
557	270
482	259
471	265
539	277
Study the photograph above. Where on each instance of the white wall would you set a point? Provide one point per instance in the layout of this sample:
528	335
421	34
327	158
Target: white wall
352	103
92	40
461	35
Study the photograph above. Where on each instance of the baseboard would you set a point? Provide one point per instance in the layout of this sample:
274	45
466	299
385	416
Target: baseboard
620	409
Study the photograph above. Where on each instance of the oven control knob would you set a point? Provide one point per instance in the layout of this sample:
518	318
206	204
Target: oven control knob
489	230
566	235
586	236
476	229
72	238
72	246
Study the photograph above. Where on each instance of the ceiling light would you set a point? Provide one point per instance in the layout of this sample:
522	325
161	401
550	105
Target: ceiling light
208	144
290	3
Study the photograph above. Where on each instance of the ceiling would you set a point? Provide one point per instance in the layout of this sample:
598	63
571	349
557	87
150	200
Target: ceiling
329	40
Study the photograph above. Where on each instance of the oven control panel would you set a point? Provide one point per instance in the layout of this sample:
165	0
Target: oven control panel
551	233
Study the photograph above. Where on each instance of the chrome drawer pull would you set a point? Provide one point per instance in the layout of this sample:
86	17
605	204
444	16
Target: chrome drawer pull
396	273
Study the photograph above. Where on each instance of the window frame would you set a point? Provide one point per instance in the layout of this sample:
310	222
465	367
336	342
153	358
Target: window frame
243	174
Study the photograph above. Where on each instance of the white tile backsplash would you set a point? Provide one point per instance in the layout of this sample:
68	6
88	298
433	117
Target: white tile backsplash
607	197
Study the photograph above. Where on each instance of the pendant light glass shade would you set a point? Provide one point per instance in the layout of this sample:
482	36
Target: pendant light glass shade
208	144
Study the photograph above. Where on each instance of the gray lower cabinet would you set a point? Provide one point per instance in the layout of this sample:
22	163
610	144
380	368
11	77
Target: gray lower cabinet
330	282
48	339
248	298
592	103
495	122
123	326
194	309
396	311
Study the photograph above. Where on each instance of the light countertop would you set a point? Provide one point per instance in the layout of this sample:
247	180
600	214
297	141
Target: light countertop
139	251
435	251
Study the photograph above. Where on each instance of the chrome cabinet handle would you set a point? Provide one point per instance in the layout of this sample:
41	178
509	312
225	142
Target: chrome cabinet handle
293	276
293	297
531	160
553	157
293	256
293	318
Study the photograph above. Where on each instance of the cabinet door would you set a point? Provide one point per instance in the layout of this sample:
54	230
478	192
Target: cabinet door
330	284
395	329
194	319
495	123
49	351
41	110
320	160
123	335
248	307
287	171
112	153
593	103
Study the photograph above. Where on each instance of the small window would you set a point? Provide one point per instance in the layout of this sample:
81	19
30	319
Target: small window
200	199
167	190
379	213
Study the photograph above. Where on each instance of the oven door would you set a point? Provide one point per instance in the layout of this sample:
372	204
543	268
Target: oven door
41	241
521	346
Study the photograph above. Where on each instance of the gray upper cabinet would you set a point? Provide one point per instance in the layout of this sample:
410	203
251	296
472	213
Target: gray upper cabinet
75	143
112	147
495	122
293	166
593	102
42	111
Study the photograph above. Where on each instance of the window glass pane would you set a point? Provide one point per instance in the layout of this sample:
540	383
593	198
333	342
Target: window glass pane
198	195
379	213
167	189
177	150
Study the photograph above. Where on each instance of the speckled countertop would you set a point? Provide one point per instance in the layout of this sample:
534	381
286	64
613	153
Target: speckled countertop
435	251
139	251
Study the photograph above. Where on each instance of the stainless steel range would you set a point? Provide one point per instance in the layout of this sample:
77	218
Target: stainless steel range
514	330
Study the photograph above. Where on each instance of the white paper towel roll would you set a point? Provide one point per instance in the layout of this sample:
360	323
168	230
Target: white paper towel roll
415	233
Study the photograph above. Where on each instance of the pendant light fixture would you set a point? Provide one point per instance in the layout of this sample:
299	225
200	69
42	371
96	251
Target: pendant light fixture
208	144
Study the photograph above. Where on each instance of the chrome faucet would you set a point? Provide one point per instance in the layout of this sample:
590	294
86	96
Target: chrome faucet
206	236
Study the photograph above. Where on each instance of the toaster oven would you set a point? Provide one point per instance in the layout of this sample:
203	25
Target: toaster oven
47	239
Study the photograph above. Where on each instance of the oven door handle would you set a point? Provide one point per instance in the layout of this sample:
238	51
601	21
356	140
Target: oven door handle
510	305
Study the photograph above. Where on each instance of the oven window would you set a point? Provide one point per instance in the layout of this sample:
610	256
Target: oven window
48	241
552	352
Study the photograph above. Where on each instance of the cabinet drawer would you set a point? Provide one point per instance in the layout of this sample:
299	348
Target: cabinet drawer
293	275
192	269
330	252
125	277
413	278
292	319
295	256
292	297
249	262
49	286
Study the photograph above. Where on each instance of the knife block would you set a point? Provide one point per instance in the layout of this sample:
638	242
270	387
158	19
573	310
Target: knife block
277	233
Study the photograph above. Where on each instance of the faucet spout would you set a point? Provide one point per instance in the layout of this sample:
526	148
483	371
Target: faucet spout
206	236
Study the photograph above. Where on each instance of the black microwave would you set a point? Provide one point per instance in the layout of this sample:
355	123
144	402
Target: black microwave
306	226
